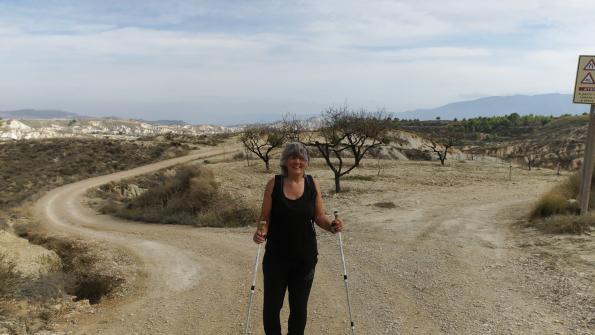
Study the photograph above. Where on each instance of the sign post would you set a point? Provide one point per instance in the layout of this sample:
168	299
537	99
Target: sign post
584	93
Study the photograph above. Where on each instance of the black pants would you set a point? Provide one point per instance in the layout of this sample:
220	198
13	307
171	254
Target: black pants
279	277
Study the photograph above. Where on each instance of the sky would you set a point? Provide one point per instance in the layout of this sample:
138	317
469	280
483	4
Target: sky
228	62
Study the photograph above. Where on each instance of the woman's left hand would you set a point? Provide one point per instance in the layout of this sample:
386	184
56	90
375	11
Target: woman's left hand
336	226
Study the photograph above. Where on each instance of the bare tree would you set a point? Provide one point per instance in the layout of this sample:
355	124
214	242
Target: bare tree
526	154
532	161
345	132
262	140
292	127
443	140
564	154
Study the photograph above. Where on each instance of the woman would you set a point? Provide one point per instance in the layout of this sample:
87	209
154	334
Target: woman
292	202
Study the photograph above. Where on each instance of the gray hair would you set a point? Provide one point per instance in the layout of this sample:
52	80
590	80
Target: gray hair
293	149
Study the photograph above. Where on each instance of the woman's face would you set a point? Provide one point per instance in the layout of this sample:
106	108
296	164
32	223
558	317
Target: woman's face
296	165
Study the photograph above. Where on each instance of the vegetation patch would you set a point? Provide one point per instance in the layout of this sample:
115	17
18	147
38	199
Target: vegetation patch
565	224
385	204
417	155
182	139
358	177
186	195
30	166
8	276
88	273
556	211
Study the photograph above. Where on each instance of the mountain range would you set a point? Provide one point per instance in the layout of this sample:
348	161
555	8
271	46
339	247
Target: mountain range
554	104
40	114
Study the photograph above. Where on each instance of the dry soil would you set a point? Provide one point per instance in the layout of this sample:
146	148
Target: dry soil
448	258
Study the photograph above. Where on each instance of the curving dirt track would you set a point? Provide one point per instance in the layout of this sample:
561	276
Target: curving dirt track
444	260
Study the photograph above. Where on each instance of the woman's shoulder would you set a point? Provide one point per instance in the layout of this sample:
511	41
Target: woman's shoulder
271	181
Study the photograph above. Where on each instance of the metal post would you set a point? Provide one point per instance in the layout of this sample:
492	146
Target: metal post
587	165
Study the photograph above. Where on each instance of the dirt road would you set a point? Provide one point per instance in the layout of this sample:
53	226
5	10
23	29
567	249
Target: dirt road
445	259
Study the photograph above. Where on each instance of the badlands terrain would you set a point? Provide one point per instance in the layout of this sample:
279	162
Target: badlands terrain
429	250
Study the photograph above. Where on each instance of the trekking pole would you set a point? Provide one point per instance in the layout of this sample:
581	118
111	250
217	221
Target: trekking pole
247	324
345	277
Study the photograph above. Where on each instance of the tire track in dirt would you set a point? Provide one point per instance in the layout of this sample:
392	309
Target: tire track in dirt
170	269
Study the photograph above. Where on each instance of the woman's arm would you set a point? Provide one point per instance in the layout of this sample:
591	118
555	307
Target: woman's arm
320	218
265	213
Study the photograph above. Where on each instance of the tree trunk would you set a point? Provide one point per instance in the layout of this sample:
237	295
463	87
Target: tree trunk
337	183
442	161
266	163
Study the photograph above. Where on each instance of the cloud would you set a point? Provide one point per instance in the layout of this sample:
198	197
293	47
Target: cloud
264	57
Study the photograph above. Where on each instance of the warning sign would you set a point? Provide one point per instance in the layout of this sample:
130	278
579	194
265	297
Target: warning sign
584	87
588	79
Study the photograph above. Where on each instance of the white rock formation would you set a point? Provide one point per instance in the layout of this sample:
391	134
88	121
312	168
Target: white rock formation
36	129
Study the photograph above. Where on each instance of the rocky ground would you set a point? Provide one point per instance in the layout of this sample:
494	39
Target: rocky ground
429	249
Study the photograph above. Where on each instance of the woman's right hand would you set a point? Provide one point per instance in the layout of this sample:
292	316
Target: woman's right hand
259	236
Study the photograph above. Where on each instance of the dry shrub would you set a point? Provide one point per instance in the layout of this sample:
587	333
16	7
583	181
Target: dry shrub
549	204
566	224
358	177
558	199
555	212
89	270
385	204
191	196
8	276
227	214
30	166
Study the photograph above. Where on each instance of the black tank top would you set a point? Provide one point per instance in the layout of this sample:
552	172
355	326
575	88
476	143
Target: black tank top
291	236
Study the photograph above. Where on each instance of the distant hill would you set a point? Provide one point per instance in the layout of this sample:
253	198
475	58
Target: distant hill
554	104
168	122
35	114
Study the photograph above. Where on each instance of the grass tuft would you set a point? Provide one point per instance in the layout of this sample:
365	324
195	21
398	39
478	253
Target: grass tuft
8	276
555	212
385	204
357	177
565	224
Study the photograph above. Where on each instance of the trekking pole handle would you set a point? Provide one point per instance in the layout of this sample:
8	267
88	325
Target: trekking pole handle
261	225
336	214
